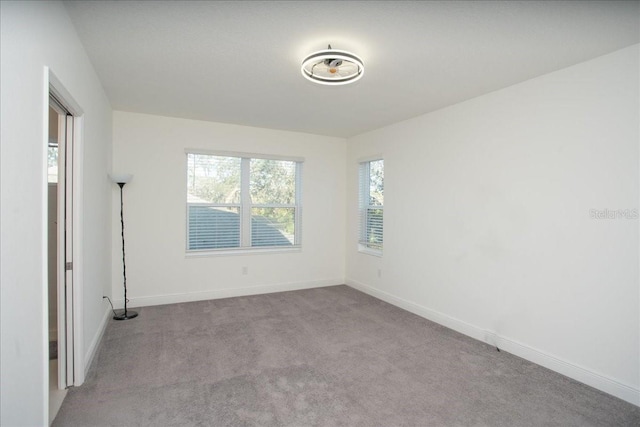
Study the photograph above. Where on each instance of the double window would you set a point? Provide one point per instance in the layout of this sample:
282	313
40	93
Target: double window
371	202
242	202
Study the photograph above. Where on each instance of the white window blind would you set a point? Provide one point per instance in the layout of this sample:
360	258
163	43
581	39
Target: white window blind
371	203
241	202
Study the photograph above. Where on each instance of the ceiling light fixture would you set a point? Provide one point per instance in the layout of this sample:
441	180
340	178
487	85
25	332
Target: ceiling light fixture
332	67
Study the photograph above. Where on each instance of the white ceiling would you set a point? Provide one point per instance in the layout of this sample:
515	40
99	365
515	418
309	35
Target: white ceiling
239	62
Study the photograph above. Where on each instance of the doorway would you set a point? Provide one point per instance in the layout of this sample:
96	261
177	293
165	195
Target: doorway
60	252
56	393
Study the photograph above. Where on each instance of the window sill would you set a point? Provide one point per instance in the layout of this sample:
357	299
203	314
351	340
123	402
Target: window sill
204	253
367	251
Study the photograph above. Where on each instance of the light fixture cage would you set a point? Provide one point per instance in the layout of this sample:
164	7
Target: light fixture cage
332	67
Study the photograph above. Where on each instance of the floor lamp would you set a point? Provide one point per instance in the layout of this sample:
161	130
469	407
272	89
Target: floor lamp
125	314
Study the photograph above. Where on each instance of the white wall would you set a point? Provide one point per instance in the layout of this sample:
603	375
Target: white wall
488	227
35	35
152	148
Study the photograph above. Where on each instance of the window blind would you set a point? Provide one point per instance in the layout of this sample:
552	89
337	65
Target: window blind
236	202
213	228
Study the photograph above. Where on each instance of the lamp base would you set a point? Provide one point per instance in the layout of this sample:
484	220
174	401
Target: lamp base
121	316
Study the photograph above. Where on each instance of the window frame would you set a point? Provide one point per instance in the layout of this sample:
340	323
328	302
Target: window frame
364	205
245	205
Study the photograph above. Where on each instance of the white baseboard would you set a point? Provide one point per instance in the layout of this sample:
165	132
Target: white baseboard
224	293
93	347
578	373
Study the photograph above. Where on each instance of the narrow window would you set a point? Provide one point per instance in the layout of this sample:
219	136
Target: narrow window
371	202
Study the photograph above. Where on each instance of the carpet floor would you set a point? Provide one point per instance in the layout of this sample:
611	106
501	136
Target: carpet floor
319	357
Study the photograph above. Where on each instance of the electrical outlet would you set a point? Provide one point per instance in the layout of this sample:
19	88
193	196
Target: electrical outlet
379	272
245	271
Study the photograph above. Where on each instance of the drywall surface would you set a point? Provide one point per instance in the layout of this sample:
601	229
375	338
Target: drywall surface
35	35
159	270
513	218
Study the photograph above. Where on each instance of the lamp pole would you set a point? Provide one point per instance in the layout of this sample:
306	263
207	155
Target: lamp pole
125	314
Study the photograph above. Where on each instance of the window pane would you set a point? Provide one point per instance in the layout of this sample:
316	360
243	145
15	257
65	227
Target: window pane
272	226
273	182
213	179
371	200
374	228
52	163
214	228
236	202
376	183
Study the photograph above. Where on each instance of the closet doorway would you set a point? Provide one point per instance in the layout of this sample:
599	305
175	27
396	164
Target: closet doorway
62	225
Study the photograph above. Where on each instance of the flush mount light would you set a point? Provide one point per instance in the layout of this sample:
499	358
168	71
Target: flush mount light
332	67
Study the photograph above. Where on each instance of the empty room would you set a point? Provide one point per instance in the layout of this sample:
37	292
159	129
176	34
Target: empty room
320	213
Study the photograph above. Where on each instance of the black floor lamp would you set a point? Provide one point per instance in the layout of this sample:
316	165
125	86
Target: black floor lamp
125	314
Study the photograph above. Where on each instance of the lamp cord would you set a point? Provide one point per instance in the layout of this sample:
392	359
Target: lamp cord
112	309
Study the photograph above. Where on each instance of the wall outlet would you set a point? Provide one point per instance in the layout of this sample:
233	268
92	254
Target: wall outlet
379	272
245	271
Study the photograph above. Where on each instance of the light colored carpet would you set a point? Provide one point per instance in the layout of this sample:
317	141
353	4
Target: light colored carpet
320	357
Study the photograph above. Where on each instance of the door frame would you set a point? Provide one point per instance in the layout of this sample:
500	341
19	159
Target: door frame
53	86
